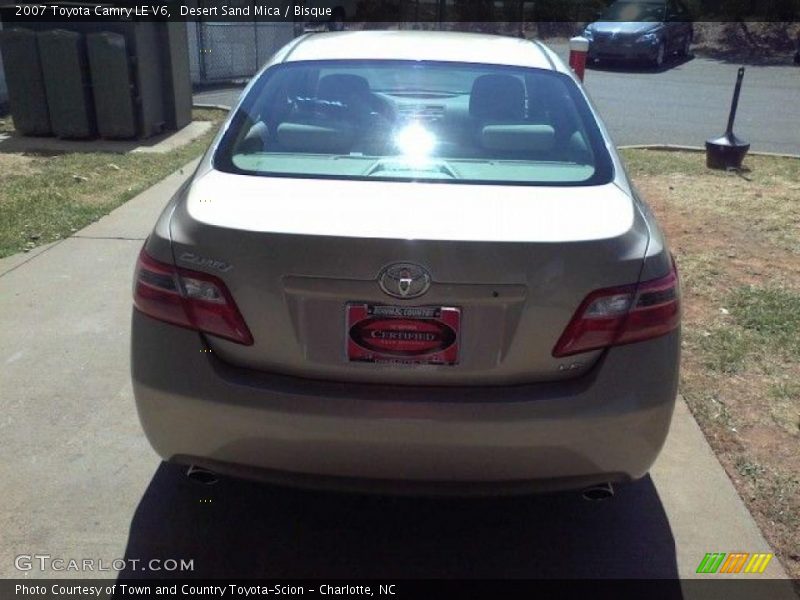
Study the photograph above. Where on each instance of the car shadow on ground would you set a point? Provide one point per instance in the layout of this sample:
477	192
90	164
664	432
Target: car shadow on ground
630	66
240	529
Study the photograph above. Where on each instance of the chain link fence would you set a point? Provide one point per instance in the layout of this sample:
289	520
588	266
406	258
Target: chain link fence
221	52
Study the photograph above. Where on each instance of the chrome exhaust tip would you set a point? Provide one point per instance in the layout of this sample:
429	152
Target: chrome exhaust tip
595	493
201	475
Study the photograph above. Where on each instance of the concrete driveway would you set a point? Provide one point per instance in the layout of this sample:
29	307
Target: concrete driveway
685	103
80	480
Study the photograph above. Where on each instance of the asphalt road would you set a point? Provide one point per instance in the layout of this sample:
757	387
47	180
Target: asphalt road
80	481
685	103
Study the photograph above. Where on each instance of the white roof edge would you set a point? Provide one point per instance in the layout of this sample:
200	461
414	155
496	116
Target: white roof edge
420	45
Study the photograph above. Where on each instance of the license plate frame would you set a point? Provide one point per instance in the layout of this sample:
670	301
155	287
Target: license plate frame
412	335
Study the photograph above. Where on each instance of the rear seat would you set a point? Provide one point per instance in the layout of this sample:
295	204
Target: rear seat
323	137
504	127
343	118
518	139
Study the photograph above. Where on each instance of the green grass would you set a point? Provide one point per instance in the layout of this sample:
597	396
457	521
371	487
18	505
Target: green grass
6	124
763	322
658	162
784	405
785	390
748	468
50	197
724	348
755	168
707	407
700	272
771	313
763	197
780	488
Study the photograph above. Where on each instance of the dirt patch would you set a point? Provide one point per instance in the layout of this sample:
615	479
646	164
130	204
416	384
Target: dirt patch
736	238
748	42
17	164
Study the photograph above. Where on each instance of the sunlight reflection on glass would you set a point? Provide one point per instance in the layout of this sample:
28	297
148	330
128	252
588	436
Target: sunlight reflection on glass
415	142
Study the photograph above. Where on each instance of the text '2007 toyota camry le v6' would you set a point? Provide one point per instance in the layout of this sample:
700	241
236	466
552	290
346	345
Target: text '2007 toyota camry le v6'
409	261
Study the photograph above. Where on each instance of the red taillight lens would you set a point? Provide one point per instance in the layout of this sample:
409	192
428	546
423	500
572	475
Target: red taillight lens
622	315
188	298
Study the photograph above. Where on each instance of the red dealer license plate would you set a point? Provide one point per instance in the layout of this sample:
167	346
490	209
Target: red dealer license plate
424	335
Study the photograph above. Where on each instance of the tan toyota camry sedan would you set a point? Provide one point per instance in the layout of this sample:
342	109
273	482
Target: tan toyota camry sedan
409	262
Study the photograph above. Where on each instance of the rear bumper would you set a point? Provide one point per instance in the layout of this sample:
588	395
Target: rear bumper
623	52
608	425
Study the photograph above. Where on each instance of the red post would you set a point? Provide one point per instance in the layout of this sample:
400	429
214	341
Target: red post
578	49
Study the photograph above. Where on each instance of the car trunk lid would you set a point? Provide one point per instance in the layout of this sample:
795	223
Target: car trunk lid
515	261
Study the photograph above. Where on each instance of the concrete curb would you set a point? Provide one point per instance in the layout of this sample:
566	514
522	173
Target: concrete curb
214	106
703	506
679	148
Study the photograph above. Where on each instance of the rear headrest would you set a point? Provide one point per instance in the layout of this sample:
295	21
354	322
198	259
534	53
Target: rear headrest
317	139
497	97
342	87
518	138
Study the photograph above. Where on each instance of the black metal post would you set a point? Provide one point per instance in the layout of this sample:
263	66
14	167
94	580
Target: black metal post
728	151
735	101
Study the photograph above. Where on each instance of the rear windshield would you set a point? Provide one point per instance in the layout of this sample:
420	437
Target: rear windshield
416	121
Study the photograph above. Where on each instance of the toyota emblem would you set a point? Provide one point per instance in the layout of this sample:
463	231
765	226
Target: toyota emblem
404	280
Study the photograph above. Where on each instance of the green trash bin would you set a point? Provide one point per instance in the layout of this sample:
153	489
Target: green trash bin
112	88
66	80
178	94
27	98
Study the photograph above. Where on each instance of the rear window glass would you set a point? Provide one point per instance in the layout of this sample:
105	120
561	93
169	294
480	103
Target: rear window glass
417	121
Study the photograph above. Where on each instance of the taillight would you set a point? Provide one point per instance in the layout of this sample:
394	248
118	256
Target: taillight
622	315
187	298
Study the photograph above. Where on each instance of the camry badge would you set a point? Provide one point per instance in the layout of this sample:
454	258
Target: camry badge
203	261
404	280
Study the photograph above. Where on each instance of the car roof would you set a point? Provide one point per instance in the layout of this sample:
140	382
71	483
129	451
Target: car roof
443	46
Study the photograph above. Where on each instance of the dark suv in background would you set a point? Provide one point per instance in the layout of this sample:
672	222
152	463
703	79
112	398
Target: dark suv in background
643	30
